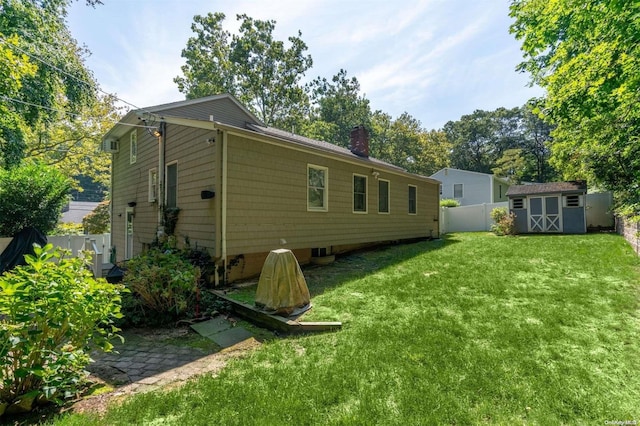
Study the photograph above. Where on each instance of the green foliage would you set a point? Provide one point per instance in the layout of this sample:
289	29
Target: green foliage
38	28
511	165
536	330
504	222
99	220
338	106
481	139
163	285
586	55
449	202
67	228
52	314
31	195
251	65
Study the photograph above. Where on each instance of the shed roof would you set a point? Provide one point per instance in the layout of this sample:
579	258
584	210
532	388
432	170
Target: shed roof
547	188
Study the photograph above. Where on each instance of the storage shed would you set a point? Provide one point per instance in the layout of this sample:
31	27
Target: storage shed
555	207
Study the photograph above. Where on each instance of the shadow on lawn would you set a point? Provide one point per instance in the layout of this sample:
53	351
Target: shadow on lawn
350	266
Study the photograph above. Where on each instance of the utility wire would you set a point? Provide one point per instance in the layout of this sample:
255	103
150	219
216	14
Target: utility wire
39	59
6	98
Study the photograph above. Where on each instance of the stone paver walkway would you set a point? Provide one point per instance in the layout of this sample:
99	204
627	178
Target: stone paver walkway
150	359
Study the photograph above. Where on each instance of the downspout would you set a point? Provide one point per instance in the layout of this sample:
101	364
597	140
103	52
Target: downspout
224	206
162	139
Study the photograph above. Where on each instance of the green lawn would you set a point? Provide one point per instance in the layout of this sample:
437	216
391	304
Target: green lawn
472	329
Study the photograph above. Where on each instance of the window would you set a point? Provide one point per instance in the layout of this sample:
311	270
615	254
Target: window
573	201
457	190
383	196
517	203
153	185
317	191
413	199
133	147
359	194
172	185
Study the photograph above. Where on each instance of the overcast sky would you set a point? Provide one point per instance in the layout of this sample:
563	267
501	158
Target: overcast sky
435	59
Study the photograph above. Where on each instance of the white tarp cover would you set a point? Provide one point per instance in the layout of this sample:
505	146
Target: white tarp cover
282	287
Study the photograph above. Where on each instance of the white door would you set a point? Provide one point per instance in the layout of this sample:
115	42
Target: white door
545	214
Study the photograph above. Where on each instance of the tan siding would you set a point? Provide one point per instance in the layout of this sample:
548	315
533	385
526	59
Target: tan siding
131	185
187	146
267	202
196	158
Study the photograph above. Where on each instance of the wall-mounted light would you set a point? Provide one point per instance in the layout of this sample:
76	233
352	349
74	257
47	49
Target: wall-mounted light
132	204
211	140
156	132
206	195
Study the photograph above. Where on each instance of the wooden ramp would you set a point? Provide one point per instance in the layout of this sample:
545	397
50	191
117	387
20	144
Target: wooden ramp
275	322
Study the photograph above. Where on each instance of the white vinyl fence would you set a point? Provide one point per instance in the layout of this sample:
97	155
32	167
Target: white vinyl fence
600	210
99	244
473	218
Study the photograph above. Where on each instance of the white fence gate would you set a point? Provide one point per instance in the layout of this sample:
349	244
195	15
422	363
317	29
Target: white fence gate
475	218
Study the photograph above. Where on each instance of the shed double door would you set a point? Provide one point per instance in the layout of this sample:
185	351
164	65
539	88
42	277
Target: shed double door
545	214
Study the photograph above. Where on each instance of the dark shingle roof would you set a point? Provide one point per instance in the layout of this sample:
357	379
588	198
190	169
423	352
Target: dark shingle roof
548	188
325	146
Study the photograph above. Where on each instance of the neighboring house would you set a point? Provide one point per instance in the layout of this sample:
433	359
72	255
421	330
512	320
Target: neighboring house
549	207
470	188
75	211
244	189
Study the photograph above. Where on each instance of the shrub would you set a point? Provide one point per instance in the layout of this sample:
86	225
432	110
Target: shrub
162	283
67	228
98	221
31	195
52	314
504	222
449	202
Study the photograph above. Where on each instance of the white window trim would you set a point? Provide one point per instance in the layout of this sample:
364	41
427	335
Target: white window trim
461	190
153	186
166	186
133	147
366	194
325	200
416	192
388	196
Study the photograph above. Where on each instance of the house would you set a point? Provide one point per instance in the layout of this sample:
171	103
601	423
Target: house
244	189
549	207
470	188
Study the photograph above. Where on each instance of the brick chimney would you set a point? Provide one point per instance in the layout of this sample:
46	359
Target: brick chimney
359	143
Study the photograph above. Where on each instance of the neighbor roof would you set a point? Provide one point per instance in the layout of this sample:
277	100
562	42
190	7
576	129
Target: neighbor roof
547	188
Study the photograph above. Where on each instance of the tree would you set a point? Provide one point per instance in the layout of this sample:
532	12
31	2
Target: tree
31	195
511	165
473	138
98	221
586	54
58	80
259	70
337	102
